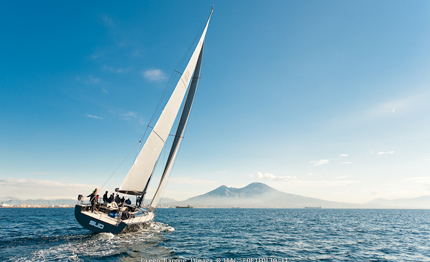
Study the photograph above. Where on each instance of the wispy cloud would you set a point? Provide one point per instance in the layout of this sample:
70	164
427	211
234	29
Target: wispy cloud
38	188
343	155
89	80
386	153
128	115
320	162
399	105
267	176
299	183
107	20
41	173
93	79
154	75
96	117
190	181
374	192
97	55
115	70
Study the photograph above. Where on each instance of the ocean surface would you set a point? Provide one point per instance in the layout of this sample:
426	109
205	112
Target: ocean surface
222	235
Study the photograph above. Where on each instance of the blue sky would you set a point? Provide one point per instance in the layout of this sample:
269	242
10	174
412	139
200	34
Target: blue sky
326	99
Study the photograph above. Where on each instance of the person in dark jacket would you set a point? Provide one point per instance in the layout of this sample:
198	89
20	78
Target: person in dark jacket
110	200
93	199
117	199
105	198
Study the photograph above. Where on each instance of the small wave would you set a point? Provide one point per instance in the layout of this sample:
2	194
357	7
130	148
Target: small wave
160	227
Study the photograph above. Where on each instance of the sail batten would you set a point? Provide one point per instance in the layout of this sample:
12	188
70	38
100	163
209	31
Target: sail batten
144	165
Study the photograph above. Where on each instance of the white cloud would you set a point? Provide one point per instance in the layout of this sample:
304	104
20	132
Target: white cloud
346	163
267	176
43	189
154	75
320	162
385	153
96	117
343	155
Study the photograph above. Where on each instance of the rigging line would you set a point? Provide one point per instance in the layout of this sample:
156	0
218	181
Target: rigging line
140	142
157	110
119	166
192	44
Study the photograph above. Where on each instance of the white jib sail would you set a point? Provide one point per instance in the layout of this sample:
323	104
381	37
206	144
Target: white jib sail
145	162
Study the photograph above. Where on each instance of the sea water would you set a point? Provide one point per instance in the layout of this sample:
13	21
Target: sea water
222	235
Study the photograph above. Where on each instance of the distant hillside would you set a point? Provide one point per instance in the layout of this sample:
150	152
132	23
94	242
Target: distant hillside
255	195
418	202
17	202
259	195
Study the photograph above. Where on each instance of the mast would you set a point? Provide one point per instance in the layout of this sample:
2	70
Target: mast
179	134
141	171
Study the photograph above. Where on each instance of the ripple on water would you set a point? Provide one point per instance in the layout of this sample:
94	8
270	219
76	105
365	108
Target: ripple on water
326	235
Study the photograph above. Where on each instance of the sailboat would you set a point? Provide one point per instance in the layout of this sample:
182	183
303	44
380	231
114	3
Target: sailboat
127	217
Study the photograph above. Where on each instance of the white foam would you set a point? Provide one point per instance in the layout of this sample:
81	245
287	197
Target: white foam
99	245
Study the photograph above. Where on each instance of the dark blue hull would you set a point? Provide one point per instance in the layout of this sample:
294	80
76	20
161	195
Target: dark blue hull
97	225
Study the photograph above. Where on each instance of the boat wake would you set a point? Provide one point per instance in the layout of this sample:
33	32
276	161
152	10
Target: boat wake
160	227
108	246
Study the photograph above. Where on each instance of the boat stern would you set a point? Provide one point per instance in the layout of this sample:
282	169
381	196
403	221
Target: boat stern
96	222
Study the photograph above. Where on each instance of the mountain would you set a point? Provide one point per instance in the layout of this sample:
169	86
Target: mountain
259	195
251	190
418	202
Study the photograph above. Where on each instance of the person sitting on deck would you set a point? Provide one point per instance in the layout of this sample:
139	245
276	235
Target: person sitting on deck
105	198
117	199
110	200
128	201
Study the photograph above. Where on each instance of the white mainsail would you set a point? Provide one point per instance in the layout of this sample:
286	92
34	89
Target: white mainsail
178	135
144	165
